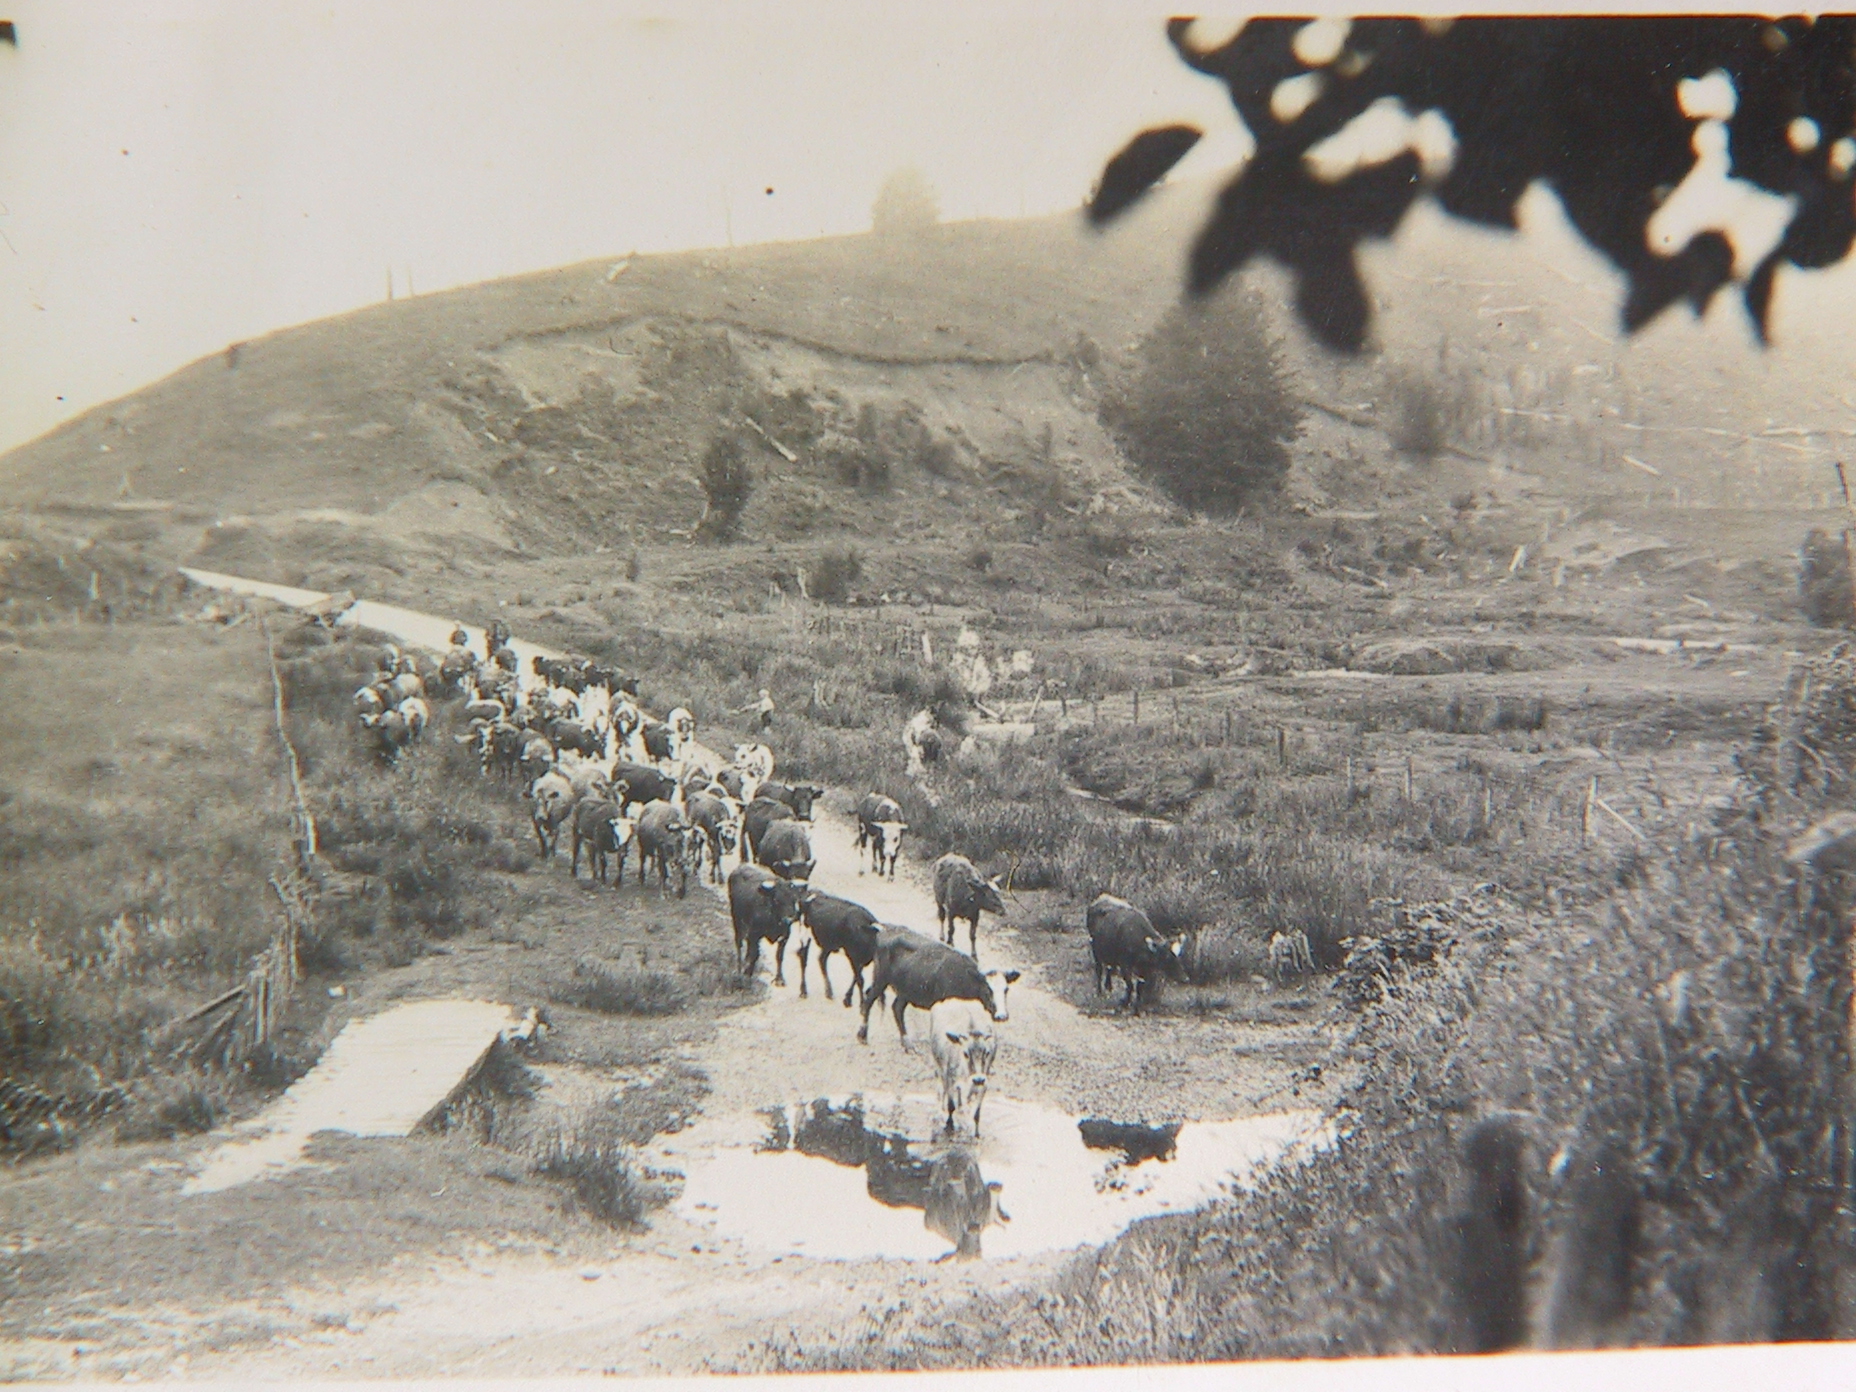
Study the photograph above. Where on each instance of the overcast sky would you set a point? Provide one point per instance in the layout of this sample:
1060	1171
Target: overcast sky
178	176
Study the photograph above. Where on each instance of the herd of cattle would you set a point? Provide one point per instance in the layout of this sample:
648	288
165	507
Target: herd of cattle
593	766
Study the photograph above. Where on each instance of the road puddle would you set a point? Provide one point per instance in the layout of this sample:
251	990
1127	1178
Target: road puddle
853	1178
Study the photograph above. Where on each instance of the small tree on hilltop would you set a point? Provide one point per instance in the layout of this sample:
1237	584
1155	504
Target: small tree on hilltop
1209	415
727	483
907	202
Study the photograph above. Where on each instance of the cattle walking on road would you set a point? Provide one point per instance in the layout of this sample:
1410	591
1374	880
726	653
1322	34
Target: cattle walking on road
1123	939
762	907
964	1046
786	850
880	827
921	972
839	925
960	892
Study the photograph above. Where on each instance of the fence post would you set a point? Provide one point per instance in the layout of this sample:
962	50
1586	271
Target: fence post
1137	705
1176	715
1227	727
1585	814
1408	778
1350	780
1282	747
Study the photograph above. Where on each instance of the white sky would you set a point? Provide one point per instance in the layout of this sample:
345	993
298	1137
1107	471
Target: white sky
178	176
280	157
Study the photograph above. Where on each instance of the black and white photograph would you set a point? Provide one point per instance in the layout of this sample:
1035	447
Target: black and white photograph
841	688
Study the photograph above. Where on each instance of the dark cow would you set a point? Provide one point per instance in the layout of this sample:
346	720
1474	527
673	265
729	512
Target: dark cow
498	635
716	828
763	907
732	783
599	826
880	827
921	972
458	665
643	784
838	925
663	837
660	741
505	657
756	818
787	851
1123	939
960	892
571	734
798	796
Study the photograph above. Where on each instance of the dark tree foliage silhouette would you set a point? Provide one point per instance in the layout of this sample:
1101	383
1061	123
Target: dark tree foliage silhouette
1208	415
1587	104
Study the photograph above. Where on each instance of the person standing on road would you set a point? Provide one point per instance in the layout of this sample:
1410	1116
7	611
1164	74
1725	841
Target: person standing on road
764	705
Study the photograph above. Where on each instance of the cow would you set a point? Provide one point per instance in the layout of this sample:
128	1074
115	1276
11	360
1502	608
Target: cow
798	796
417	715
537	756
571	734
505	658
735	784
625	721
960	892
663	837
598	825
922	972
717	828
762	907
369	703
1290	955
554	801
644	784
880	827
683	721
485	709
755	761
961	1203
393	734
659	741
786	850
455	669
505	748
838	925
756	817
588	778
497	635
964	1047
1123	939
404	687
921	742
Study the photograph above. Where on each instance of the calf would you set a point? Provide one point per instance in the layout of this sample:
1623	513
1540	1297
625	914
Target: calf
964	1048
880	827
663	837
799	797
1123	939
787	851
960	892
922	972
599	826
554	801
762	907
838	925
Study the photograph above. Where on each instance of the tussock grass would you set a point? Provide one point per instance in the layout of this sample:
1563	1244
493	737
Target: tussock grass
618	990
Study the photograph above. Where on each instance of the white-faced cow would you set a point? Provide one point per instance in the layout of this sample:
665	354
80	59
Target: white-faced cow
797	796
756	817
554	801
717	827
1123	939
598	826
880	827
754	761
960	892
964	1048
838	925
763	907
921	972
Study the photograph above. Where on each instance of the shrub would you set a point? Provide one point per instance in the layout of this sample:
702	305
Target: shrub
620	990
1419	420
727	484
831	576
979	558
1209	415
600	1175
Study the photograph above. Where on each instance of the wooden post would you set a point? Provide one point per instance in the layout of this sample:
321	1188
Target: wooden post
1095	711
1227	727
1849	546
1176	715
1282	748
1350	780
1488	805
1408	778
1137	705
1585	816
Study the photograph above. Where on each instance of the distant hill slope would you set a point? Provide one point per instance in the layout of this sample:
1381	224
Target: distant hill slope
954	370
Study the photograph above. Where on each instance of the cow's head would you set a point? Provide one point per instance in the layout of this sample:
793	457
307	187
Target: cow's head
622	830
787	898
798	871
889	836
998	987
988	895
728	834
800	797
